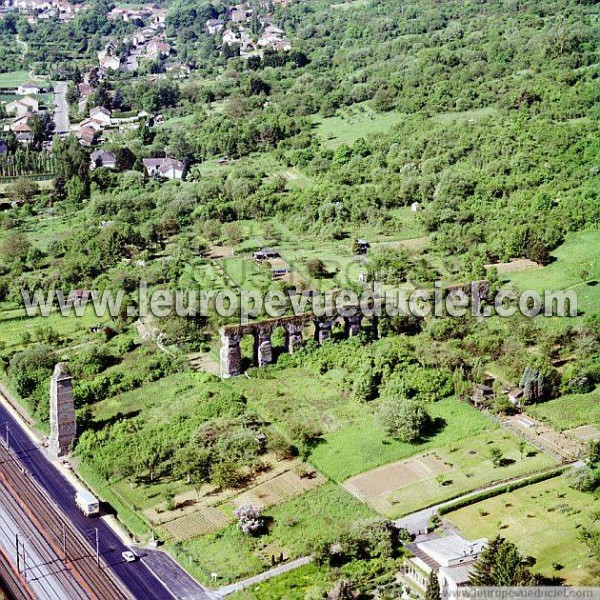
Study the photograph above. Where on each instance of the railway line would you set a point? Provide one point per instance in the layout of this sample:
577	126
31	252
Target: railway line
40	566
94	579
11	584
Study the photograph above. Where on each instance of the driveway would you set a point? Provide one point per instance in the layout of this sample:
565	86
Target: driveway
61	109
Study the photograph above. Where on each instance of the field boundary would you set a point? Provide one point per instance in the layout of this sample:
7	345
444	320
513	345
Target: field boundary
499	490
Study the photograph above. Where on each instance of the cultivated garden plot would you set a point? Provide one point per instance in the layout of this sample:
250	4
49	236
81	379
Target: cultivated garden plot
384	480
544	520
450	471
585	433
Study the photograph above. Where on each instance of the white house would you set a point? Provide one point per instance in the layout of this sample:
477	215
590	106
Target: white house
23	106
100	114
169	168
214	26
229	37
28	88
451	557
90	123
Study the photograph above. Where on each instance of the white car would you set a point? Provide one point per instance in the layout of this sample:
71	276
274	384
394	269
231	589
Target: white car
129	556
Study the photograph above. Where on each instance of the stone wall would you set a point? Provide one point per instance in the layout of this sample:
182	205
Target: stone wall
293	326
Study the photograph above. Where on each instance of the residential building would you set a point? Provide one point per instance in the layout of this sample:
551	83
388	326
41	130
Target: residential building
86	135
20	124
157	49
169	168
28	88
451	557
100	114
102	158
23	106
213	26
229	37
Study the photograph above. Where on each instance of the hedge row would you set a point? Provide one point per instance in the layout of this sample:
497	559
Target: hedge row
509	487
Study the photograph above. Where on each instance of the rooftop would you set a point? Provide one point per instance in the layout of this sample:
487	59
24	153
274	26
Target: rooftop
452	548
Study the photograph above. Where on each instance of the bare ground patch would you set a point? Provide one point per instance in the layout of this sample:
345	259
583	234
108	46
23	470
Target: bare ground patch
208	520
413	244
279	489
390	478
584	433
203	363
198	514
518	264
556	442
219	252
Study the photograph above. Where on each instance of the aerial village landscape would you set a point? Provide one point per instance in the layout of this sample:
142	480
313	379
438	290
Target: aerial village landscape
306	151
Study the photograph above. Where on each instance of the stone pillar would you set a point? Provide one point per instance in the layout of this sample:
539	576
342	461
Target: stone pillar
63	424
293	336
231	354
352	325
323	330
263	352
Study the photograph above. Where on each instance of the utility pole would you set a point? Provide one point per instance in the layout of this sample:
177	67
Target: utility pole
65	541
97	549
17	545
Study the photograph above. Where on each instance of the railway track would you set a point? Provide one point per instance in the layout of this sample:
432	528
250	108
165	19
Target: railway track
40	564
96	580
11	583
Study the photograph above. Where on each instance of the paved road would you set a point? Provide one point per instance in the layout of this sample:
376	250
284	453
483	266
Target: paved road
138	579
61	109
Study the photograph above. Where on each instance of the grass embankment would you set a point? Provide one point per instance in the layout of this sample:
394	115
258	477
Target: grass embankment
568	412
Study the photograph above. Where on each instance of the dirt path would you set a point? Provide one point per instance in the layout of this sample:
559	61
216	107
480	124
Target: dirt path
246	583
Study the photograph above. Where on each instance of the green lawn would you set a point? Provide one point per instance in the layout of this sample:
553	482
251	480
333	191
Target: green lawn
543	521
307	581
14	79
353	443
361	445
361	121
71	330
159	400
568	412
577	267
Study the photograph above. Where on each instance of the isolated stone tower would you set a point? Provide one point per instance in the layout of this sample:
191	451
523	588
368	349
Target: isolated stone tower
63	425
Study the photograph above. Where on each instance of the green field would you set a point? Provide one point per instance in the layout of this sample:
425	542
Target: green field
307	581
577	267
322	513
15	79
568	412
353	124
543	521
71	330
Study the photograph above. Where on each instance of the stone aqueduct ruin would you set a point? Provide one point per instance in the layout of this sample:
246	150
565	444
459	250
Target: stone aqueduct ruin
293	326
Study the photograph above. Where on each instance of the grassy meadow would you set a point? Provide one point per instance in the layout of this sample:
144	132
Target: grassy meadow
543	520
570	411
